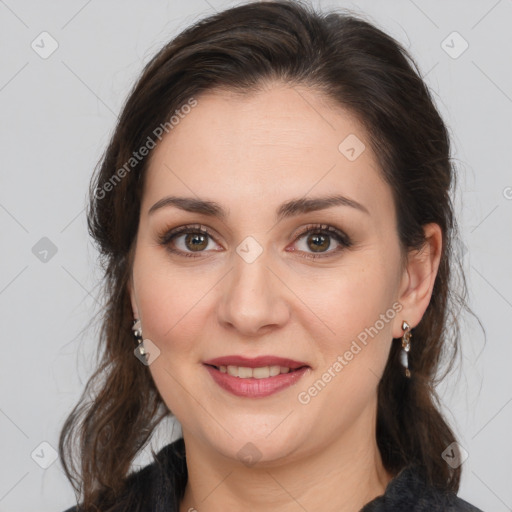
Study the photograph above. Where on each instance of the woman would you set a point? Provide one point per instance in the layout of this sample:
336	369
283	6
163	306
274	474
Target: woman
275	220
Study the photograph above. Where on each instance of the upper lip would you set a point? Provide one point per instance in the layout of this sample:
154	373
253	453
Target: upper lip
255	362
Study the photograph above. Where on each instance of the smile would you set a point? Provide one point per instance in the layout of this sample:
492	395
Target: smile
258	382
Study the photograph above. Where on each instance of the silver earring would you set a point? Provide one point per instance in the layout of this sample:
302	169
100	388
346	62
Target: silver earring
137	332
406	347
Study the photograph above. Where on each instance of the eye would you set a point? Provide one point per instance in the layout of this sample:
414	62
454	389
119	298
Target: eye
318	239
187	240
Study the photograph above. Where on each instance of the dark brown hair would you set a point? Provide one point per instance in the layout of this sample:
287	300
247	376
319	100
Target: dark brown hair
350	61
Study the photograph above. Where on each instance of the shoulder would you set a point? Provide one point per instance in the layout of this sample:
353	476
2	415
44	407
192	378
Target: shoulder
409	491
157	486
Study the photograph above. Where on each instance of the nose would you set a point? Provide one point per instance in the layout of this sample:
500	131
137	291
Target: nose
253	299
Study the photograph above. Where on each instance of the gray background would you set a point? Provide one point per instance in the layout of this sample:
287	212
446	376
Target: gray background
57	114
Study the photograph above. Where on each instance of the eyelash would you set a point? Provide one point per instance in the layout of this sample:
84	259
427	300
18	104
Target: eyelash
166	237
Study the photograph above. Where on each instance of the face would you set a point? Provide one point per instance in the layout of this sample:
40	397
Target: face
311	290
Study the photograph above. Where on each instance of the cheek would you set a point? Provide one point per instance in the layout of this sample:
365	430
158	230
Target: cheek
172	303
173	310
352	296
355	305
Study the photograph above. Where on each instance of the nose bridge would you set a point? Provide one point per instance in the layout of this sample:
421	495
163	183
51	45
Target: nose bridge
251	297
250	273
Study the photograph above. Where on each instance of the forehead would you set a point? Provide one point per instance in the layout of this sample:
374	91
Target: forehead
279	143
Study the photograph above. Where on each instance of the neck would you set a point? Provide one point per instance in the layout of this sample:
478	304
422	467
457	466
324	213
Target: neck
343	476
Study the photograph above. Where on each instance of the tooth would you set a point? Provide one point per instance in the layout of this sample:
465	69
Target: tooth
233	370
244	372
261	373
275	370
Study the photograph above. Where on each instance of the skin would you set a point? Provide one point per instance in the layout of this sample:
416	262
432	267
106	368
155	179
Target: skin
250	154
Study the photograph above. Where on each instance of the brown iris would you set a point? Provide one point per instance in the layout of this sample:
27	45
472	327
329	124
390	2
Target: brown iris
320	242
198	241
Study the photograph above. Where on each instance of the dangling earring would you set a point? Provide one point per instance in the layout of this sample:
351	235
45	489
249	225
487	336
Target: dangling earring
137	332
406	346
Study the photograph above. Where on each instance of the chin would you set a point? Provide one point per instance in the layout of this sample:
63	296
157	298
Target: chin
257	444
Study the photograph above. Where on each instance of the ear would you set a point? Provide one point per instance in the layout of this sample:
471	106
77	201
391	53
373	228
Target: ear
418	279
133	300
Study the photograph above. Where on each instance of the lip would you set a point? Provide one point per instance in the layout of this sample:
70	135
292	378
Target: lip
256	362
255	388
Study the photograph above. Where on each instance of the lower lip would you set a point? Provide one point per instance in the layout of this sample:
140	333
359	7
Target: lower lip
255	388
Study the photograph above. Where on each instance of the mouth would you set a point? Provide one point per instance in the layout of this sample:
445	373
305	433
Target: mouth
255	378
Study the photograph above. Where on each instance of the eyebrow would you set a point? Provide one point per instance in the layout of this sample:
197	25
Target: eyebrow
285	210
